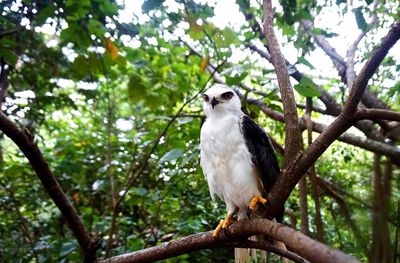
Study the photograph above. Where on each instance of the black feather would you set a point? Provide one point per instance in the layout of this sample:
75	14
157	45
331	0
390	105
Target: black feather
263	155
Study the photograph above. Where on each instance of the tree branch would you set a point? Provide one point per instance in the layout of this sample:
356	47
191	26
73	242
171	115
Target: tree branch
306	247
24	140
293	142
332	107
377	114
365	143
337	60
290	176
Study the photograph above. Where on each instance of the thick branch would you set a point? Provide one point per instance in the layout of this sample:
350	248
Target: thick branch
293	142
24	140
295	241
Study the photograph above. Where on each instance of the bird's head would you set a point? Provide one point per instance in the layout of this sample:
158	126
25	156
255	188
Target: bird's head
220	99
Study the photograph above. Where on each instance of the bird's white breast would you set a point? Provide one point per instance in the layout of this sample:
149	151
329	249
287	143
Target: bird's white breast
227	163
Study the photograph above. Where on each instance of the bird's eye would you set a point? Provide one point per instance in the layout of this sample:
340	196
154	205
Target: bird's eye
206	98
227	95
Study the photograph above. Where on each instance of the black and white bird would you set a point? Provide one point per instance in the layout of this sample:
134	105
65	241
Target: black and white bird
236	155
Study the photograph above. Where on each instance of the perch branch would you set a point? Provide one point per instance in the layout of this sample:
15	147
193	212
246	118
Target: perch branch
295	241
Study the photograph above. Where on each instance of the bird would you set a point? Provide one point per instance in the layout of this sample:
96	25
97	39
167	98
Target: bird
236	156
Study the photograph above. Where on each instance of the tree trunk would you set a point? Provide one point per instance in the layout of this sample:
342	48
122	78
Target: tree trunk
380	250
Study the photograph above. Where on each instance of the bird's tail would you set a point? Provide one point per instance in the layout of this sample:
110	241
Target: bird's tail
242	255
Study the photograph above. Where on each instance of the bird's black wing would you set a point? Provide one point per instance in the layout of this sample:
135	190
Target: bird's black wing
263	155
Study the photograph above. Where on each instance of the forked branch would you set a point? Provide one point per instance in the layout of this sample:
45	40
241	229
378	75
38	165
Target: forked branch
290	176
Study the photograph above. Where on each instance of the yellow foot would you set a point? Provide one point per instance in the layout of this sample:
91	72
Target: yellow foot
256	199
223	224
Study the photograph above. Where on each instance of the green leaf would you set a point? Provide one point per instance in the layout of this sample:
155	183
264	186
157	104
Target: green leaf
307	88
231	81
304	61
368	2
96	27
137	88
9	56
171	155
361	23
305	14
338	2
45	13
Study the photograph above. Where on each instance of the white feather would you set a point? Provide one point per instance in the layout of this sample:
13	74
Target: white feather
225	159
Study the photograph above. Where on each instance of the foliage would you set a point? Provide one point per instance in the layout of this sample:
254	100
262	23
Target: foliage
97	91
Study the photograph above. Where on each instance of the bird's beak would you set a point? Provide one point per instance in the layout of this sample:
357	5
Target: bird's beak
214	102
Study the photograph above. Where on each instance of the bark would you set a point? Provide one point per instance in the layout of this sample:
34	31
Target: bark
295	241
25	142
293	142
303	205
380	250
378	114
396	235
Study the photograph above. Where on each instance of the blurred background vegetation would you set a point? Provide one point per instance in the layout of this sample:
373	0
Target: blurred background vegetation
101	85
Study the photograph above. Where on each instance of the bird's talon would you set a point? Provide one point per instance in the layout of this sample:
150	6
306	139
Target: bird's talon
249	211
256	199
223	224
218	228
